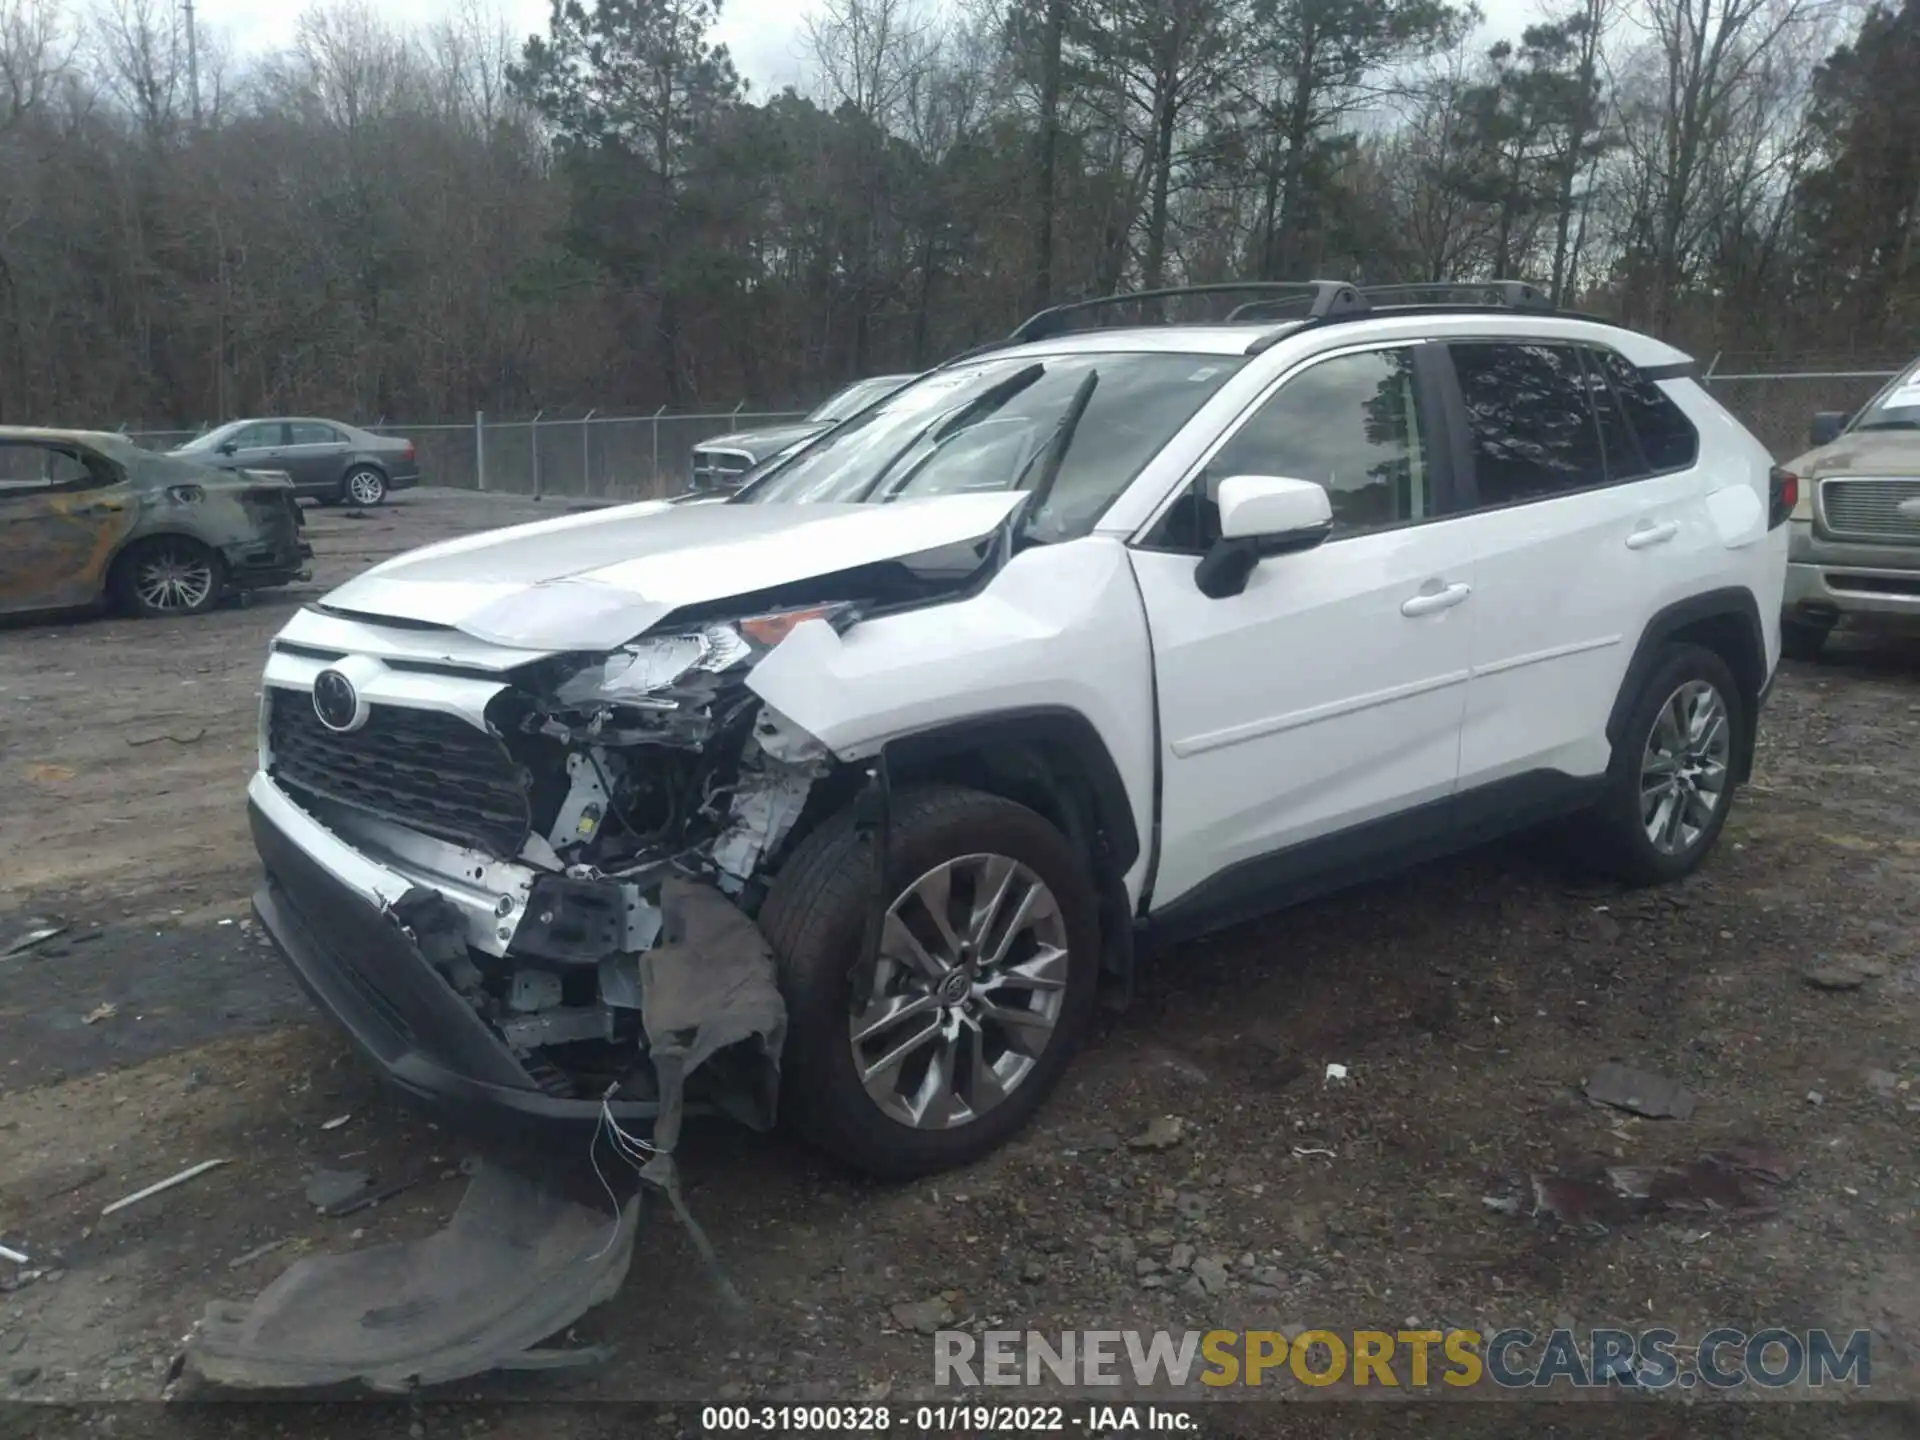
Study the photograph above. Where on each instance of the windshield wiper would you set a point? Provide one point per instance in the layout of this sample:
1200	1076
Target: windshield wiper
1054	452
949	425
991	398
1889	425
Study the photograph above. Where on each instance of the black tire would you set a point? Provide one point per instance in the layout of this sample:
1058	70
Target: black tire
365	477
1613	836
166	576
815	918
1801	640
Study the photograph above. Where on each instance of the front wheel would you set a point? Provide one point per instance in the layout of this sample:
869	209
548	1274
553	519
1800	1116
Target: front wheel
1671	782
365	486
170	575
982	990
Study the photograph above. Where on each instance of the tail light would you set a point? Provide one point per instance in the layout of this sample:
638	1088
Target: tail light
409	450
1785	497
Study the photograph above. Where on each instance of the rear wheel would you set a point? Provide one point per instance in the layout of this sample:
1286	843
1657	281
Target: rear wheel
168	575
365	486
1671	782
982	990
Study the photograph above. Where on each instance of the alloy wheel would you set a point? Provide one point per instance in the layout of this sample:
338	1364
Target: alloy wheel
967	992
365	488
1683	774
172	578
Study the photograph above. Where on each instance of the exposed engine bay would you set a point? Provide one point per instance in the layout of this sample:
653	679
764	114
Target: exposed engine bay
567	821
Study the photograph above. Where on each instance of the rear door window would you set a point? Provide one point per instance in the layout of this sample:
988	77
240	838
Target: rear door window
1531	427
311	432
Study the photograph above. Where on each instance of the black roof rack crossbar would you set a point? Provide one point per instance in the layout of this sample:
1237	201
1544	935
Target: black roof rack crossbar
1315	299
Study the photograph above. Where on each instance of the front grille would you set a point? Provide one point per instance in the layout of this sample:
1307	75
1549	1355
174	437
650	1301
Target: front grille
425	770
1870	509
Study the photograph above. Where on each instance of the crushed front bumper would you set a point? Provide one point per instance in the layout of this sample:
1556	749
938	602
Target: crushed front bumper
321	903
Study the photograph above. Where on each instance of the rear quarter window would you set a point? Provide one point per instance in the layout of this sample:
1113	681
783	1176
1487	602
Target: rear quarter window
1667	437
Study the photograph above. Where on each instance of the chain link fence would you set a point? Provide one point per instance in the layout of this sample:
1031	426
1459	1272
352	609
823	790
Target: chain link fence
593	456
1779	406
634	457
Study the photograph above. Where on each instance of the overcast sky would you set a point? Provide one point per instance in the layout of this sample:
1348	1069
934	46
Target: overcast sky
767	37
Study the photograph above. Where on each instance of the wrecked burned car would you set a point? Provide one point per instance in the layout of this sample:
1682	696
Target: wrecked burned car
86	517
847	794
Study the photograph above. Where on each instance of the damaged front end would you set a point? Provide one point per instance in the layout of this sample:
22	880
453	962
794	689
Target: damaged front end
580	872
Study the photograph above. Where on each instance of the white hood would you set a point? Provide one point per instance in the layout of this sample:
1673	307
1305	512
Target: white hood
594	580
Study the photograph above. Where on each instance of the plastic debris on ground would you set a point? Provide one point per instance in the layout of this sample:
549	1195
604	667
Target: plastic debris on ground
191	1172
517	1264
37	933
1641	1091
327	1189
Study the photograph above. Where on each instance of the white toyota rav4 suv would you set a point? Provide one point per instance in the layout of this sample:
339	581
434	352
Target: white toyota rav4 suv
847	794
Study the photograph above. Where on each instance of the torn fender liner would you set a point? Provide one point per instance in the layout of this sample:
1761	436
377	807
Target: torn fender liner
516	1264
709	985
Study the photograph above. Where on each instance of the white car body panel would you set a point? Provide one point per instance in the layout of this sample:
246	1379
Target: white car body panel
1307	703
1059	628
595	580
1567	586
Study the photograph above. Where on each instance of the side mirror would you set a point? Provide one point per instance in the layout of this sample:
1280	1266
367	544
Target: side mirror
226	447
1827	425
1261	515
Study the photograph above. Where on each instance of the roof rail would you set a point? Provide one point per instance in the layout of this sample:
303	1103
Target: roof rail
1316	300
1458	294
1297	302
1439	295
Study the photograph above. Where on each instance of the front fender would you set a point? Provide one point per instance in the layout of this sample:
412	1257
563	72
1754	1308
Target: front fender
1059	629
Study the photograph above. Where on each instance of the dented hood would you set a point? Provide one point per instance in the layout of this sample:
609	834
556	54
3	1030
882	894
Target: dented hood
594	580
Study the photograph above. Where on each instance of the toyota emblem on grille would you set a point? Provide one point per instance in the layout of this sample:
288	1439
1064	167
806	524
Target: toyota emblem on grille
336	702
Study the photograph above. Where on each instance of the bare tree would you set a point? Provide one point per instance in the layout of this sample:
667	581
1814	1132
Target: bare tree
1685	93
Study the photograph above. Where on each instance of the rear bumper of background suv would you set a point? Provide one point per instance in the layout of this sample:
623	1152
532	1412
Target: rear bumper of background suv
1829	578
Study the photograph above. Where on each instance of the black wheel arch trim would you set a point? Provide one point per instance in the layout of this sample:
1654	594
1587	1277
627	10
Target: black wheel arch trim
1028	727
1733	602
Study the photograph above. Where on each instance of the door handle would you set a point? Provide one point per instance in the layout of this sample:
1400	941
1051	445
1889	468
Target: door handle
1653	535
1429	602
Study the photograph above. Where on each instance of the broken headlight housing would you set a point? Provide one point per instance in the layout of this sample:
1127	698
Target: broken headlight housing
646	667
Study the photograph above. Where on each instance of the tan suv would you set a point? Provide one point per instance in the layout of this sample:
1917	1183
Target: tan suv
1856	529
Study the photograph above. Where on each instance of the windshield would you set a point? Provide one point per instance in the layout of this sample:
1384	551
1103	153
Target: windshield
856	397
987	425
1895	408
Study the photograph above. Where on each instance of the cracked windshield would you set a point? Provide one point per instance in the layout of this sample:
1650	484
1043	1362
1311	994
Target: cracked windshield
991	426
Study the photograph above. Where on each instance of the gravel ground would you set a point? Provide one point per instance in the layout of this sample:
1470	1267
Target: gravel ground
1468	1001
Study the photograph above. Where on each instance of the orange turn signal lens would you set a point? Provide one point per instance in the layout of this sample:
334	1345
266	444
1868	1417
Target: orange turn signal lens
767	631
